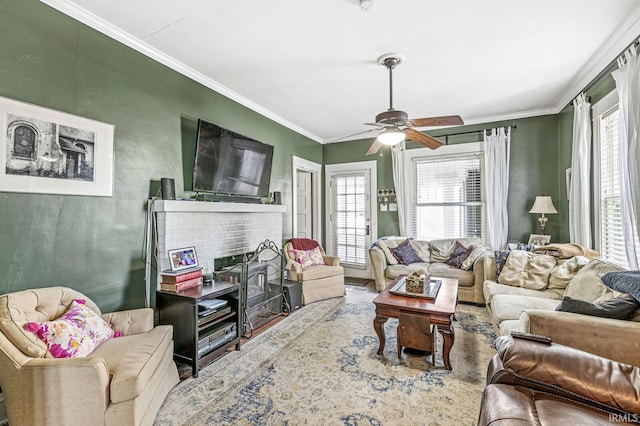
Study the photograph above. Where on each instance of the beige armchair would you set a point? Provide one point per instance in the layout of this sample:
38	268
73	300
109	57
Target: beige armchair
122	382
319	282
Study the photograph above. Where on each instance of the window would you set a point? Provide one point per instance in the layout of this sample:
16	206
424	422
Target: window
349	214
24	142
447	199
609	235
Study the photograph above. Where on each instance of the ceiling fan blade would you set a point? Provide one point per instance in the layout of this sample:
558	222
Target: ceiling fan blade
423	139
447	120
375	147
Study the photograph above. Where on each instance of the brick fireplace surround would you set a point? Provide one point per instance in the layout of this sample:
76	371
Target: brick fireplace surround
215	229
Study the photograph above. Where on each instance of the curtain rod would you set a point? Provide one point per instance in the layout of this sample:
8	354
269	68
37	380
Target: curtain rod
446	135
607	70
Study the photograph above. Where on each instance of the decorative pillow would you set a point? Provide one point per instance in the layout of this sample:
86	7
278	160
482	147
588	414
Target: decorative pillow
621	307
75	334
501	258
308	257
528	270
459	255
405	253
476	253
624	281
587	283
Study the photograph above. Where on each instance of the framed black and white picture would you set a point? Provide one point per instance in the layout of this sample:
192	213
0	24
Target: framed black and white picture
51	152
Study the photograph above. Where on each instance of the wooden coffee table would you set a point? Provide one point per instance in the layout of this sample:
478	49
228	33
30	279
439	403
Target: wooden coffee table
439	312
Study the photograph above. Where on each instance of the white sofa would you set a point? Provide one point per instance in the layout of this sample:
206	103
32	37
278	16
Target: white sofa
530	287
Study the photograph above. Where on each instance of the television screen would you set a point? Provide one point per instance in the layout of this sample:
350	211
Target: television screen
229	163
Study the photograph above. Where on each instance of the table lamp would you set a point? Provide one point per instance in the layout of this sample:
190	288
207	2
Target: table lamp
543	205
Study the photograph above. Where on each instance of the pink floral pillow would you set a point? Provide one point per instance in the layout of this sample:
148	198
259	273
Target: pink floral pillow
75	334
308	257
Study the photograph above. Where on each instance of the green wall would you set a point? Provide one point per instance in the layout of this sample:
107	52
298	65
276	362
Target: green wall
95	244
535	151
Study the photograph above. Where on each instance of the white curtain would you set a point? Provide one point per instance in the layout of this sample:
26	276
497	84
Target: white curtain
579	188
497	147
627	79
398	160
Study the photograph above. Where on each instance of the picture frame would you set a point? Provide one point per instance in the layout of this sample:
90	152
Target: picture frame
539	239
183	258
52	152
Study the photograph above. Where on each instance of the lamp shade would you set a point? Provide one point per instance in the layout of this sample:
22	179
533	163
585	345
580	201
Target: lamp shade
543	205
391	136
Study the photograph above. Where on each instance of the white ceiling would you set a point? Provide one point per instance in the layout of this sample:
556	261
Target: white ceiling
311	65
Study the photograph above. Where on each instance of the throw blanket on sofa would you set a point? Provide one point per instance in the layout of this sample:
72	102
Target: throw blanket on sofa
304	243
567	250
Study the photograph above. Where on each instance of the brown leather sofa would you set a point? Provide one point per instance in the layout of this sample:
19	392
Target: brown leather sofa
532	383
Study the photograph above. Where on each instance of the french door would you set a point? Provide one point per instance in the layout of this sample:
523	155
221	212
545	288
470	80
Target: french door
350	223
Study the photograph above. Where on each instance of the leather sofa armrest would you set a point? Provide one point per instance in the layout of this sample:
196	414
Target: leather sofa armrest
80	384
569	372
587	333
133	321
378	264
331	260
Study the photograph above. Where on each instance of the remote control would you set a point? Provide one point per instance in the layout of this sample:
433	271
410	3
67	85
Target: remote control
534	337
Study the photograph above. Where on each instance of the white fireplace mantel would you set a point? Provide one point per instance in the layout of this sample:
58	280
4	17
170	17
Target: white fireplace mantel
221	207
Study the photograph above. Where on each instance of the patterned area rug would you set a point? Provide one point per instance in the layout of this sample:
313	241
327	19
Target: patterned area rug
319	367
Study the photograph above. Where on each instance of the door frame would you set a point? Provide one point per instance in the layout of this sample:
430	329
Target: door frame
300	164
370	166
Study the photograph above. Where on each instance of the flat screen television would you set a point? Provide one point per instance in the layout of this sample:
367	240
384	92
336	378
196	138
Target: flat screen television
229	163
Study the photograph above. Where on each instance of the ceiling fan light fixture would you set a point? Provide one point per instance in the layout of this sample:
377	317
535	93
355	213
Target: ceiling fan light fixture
391	136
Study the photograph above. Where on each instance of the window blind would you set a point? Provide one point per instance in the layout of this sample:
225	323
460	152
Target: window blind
448	197
349	216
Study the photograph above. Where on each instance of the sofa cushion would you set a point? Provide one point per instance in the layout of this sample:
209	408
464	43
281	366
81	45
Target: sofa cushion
564	272
384	245
465	278
492	288
509	307
586	284
315	272
621	307
133	360
394	271
441	249
405	253
528	270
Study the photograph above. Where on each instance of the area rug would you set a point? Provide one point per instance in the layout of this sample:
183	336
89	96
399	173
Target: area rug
319	366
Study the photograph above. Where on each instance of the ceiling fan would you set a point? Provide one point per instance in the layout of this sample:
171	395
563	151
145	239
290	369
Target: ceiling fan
396	124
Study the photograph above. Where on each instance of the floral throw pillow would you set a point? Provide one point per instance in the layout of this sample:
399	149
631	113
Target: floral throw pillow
459	255
75	334
308	257
405	253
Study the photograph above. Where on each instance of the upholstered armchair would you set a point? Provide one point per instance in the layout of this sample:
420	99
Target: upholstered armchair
321	277
122	382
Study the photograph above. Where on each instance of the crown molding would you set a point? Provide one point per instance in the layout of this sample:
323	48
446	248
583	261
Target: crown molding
626	33
99	24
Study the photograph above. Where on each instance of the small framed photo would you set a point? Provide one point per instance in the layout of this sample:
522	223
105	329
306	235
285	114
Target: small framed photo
183	258
539	240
